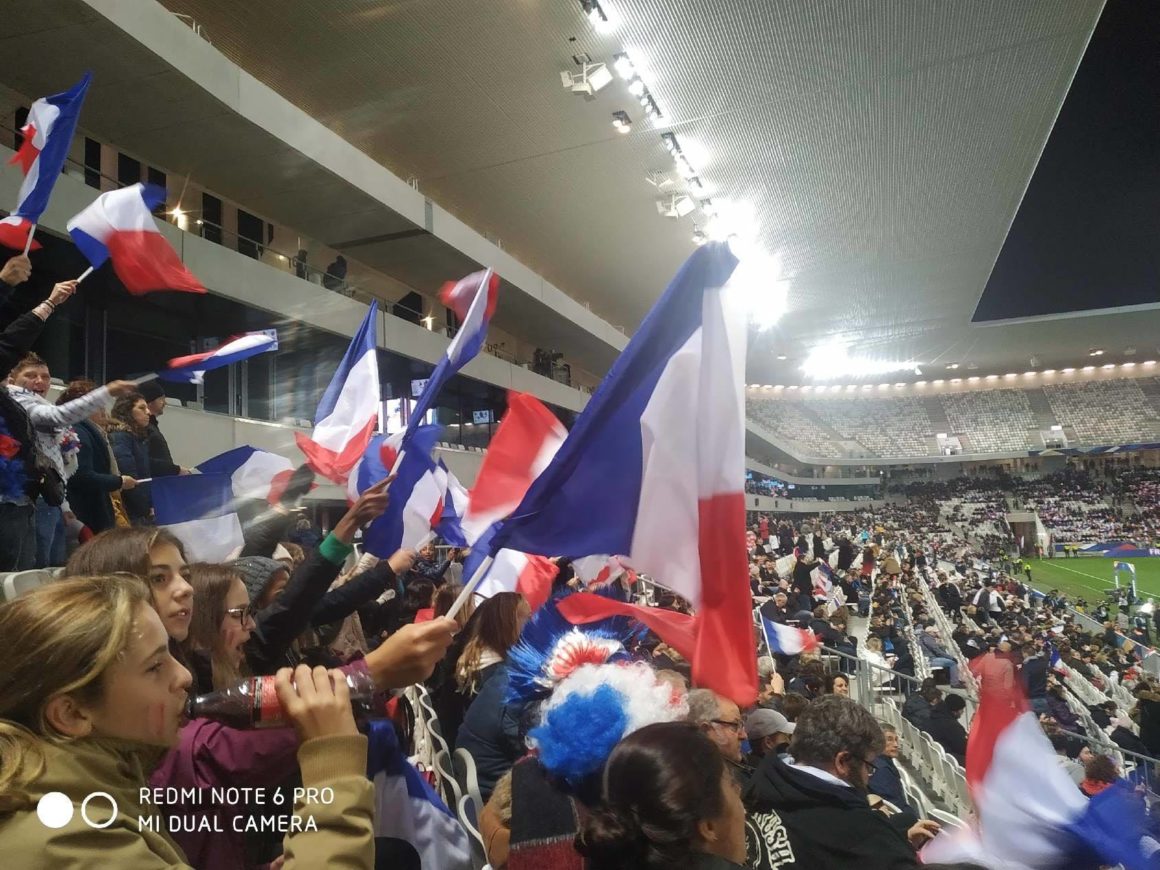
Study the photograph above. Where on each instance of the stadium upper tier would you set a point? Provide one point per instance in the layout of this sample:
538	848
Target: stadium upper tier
1000	421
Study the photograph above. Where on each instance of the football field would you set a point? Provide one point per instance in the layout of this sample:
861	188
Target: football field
1087	577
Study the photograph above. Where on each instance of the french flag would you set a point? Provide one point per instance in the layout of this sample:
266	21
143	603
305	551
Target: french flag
348	414
474	299
823	580
787	640
416	495
450	527
1030	814
596	572
47	136
119	226
198	509
410	818
655	468
526	440
512	571
254	473
191	369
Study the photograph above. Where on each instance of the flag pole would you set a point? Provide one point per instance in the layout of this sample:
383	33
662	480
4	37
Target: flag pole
469	589
85	274
28	243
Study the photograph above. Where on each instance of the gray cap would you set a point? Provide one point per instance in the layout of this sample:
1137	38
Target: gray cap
761	723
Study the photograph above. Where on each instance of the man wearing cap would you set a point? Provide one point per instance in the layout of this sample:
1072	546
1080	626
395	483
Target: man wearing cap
769	732
161	462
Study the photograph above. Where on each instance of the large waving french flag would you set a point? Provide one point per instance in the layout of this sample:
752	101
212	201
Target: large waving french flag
1030	814
47	136
474	299
191	369
348	414
199	510
526	440
416	494
119	226
655	468
254	473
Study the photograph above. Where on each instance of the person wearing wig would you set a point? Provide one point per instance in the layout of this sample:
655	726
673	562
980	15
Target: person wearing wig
590	694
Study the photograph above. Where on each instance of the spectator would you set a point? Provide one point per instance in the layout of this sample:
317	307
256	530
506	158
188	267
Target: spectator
668	801
886	781
946	729
938	656
1034	673
837	684
768	731
491	730
720	719
97	480
1146	714
220	629
301	268
834	749
1098	774
161	462
29	383
129	438
335	277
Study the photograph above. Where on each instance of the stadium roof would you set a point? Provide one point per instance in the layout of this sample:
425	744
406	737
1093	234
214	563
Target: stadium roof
883	148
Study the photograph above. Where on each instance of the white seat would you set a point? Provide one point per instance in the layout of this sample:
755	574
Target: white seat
468	812
447	782
21	582
465	773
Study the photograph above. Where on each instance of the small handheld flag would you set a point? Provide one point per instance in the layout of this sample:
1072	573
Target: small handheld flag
191	369
47	136
119	226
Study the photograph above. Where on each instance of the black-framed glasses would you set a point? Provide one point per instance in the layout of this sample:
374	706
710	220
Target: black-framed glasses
241	614
732	725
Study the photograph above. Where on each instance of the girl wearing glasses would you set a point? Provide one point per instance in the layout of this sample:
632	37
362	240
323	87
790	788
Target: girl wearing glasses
222	622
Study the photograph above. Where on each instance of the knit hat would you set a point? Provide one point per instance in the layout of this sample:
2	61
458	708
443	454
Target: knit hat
256	573
151	390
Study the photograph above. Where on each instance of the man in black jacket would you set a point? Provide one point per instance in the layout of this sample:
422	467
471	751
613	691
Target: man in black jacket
161	462
821	796
946	729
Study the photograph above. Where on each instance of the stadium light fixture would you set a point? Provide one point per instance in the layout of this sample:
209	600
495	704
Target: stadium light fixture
1049	371
1010	375
1128	365
1029	374
760	282
597	16
938	382
829	361
920	383
782	356
592	78
992	377
1089	368
1067	371
1096	351
1149	362
1108	366
699	237
625	68
973	379
952	366
956	380
621	123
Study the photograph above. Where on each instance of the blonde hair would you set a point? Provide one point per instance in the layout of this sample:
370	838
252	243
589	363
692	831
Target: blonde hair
60	639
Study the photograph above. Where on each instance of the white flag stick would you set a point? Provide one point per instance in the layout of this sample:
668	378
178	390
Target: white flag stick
28	244
85	274
144	379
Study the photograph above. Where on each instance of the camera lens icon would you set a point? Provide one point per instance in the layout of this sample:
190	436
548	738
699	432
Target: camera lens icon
55	809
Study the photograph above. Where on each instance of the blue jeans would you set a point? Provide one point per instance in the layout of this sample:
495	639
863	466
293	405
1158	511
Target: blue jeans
50	536
950	664
17	537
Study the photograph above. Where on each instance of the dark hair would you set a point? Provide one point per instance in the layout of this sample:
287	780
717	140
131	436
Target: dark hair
75	389
833	724
792	705
954	703
123	550
659	783
1100	768
123	412
833	678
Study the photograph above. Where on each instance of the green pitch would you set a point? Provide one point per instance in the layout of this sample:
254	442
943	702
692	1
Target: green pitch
1088	577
